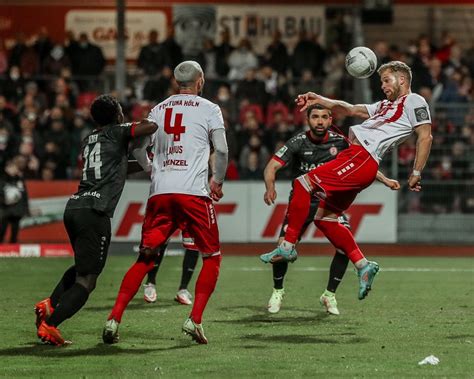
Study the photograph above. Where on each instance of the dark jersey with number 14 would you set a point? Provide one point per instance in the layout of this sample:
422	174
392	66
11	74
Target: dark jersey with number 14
303	153
105	158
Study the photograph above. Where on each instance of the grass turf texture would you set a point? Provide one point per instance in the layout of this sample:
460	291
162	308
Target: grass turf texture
409	315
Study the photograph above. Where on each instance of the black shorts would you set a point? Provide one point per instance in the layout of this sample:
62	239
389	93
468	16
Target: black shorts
89	232
312	213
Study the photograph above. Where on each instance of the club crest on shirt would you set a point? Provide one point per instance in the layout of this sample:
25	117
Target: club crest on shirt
281	152
421	114
333	150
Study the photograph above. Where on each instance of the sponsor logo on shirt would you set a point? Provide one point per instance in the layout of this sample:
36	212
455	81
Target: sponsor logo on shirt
281	152
333	150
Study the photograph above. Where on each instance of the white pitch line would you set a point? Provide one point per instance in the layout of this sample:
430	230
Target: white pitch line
387	269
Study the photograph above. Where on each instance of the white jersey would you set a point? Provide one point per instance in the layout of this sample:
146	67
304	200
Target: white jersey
390	123
181	144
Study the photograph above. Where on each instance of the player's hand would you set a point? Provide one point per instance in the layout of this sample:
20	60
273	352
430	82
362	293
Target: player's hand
306	99
216	190
392	184
414	183
270	196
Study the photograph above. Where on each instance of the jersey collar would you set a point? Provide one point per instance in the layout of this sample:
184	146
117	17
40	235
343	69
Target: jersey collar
317	141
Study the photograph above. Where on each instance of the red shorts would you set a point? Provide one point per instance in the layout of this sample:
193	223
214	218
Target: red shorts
338	182
167	212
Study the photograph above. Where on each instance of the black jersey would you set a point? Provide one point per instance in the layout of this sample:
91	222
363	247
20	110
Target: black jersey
303	153
105	158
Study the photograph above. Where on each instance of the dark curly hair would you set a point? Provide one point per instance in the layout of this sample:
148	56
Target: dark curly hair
105	110
316	106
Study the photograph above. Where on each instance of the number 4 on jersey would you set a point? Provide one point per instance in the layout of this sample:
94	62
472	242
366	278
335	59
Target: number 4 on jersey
177	129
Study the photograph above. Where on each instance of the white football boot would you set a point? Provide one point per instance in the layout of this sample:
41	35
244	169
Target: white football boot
274	304
149	293
184	297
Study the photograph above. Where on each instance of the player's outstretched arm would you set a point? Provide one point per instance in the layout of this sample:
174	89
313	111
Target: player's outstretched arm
390	183
423	148
269	176
338	106
144	128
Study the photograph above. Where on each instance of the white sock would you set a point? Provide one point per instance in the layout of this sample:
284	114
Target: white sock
361	263
287	246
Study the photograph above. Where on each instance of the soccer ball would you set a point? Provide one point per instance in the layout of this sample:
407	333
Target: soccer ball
361	62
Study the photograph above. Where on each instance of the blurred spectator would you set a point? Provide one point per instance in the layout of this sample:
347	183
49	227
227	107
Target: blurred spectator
88	60
276	55
3	58
251	88
17	50
223	51
42	46
305	55
29	62
227	102
12	86
252	169
158	87
7	144
13	198
241	60
172	48
56	61
153	56
254	145
334	68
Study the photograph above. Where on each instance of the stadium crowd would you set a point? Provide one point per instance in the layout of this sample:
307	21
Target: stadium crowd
46	89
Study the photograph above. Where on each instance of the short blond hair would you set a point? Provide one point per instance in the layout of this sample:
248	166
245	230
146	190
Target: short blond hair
397	66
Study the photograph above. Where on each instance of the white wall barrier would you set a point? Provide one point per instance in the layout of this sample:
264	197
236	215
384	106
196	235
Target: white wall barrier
244	217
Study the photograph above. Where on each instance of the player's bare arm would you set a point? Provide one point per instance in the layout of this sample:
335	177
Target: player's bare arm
390	183
144	128
337	106
221	153
269	176
423	147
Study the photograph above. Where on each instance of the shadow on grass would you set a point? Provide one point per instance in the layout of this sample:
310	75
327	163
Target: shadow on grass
45	351
265	318
135	305
304	339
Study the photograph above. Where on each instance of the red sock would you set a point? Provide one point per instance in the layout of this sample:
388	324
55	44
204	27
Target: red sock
298	210
130	284
205	286
341	238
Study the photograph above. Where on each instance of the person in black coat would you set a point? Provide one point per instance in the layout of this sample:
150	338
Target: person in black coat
13	198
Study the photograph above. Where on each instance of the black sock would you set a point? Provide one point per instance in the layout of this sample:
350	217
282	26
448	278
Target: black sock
279	272
158	258
69	304
189	264
336	272
66	282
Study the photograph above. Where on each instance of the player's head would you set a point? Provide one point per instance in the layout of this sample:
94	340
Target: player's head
106	110
319	119
189	76
396	79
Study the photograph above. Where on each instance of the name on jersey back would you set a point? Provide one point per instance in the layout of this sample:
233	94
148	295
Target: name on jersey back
185	103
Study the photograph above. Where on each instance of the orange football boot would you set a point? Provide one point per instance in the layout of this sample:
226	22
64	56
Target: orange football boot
43	310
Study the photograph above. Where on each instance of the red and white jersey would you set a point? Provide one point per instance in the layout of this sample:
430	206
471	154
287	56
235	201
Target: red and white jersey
390	123
181	145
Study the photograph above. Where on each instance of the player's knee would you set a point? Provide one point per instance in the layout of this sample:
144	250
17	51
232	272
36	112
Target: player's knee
147	255
89	282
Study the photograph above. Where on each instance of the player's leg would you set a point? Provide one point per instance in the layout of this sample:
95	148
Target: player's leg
200	219
336	272
342	238
149	288
92	231
157	228
191	255
298	211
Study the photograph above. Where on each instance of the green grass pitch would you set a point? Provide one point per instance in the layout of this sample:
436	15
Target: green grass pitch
418	307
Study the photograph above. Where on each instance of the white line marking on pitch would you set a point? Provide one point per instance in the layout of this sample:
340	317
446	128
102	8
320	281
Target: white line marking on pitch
388	269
